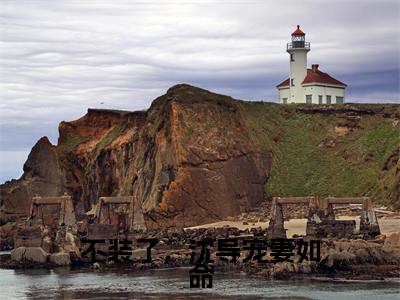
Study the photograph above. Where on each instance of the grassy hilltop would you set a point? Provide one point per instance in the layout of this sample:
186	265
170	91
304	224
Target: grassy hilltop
329	153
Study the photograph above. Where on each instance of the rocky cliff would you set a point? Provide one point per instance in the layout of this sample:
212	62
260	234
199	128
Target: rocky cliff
195	156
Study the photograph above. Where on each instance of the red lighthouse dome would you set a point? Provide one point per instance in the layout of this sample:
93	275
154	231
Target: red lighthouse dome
298	31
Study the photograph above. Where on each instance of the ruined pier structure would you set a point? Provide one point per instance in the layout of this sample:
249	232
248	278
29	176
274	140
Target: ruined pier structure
135	218
115	215
321	221
63	206
55	217
54	213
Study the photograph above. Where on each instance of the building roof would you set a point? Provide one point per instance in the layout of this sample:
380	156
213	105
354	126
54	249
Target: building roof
284	83
316	76
298	31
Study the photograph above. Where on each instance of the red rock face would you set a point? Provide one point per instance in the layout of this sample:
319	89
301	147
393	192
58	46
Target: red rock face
208	174
188	159
205	167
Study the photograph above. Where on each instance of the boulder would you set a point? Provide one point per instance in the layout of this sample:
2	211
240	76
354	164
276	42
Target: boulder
36	254
17	254
31	254
60	259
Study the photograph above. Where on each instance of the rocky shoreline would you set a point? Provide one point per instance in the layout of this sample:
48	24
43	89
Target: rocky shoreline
354	259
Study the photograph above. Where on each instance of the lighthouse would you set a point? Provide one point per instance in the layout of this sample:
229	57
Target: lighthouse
304	85
297	50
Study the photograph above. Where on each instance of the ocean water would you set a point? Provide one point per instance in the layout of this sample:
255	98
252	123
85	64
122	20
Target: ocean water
66	283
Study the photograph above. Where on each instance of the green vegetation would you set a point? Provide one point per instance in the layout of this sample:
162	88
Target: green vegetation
310	158
135	136
71	141
112	135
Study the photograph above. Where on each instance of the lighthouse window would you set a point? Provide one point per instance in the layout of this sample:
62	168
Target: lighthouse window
319	99
284	100
291	57
292	82
308	99
339	100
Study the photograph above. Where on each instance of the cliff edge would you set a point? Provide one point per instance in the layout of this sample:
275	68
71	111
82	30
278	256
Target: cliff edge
195	157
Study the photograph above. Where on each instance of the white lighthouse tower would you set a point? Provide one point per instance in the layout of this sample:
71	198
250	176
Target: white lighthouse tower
304	85
297	50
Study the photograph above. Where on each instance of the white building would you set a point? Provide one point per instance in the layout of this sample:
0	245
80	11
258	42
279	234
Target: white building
307	85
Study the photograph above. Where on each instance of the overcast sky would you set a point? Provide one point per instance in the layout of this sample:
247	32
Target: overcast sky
57	58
